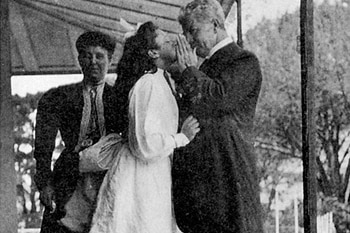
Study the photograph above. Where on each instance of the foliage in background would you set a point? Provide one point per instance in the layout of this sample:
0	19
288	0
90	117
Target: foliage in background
279	111
28	206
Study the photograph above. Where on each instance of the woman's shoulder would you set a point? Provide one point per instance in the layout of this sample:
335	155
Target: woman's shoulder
149	83
150	78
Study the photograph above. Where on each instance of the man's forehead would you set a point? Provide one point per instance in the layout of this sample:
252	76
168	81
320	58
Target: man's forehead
193	25
95	48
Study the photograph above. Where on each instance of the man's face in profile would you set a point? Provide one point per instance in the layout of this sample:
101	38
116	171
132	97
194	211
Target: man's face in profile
202	36
94	63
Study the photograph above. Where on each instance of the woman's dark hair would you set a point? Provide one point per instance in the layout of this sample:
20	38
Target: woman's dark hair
133	64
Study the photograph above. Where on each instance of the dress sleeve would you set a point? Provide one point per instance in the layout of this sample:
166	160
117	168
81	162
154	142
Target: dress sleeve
149	137
45	135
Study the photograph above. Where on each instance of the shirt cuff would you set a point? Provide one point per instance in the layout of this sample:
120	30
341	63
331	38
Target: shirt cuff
180	140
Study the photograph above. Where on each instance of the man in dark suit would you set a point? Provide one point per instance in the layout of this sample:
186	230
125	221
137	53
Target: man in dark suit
82	113
215	180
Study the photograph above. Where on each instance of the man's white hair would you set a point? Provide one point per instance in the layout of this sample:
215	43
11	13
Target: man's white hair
201	11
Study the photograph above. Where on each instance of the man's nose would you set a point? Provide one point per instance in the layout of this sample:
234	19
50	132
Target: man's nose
189	39
93	60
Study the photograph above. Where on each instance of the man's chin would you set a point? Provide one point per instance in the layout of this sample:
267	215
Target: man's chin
94	78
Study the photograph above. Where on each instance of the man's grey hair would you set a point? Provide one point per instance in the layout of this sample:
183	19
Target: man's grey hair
204	11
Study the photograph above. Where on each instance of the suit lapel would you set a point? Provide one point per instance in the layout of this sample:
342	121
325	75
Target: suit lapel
214	64
71	108
228	52
78	100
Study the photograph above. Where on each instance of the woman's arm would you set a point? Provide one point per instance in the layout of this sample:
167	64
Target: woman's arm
151	120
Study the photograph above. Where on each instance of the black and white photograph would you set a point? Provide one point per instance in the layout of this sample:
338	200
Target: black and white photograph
175	116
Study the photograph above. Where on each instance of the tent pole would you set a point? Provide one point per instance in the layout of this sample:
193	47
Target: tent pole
239	23
308	119
8	210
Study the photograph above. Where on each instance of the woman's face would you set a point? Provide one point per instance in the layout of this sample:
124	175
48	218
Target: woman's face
166	43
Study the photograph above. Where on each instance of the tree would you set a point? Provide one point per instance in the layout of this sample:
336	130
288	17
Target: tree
24	119
279	113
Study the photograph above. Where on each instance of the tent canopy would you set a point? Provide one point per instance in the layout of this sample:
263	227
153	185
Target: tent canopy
43	32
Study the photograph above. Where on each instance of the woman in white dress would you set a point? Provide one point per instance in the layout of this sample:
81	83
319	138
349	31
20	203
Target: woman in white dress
135	196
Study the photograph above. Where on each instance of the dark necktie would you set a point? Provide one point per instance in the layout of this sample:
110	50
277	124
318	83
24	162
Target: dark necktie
93	130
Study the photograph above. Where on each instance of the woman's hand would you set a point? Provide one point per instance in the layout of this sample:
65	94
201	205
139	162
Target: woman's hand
190	127
186	56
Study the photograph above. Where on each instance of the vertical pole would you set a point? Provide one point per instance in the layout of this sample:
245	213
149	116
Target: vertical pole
239	23
277	210
331	224
296	215
8	211
308	124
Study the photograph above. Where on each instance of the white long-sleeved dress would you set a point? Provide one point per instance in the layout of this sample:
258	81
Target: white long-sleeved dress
135	196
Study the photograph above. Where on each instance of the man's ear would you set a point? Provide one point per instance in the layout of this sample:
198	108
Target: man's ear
153	53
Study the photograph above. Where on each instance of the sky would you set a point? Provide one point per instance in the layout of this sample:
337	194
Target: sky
253	11
32	84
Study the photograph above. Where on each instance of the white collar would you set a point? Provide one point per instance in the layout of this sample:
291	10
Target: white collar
219	45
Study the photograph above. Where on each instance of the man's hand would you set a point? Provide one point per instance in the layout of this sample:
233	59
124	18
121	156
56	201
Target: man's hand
47	196
186	56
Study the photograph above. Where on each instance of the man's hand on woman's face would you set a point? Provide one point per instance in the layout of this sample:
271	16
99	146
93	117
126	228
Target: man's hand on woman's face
186	56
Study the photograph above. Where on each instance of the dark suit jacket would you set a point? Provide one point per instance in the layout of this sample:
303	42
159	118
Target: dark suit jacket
61	109
215	178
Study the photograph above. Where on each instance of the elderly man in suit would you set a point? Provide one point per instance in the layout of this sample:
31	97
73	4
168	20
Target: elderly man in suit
82	113
215	178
